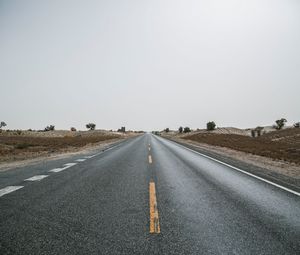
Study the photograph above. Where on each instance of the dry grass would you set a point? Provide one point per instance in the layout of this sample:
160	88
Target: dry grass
14	147
281	145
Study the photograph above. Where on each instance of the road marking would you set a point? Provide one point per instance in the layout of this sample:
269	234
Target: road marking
9	189
243	171
103	150
154	219
149	149
36	178
150	159
66	166
56	170
80	159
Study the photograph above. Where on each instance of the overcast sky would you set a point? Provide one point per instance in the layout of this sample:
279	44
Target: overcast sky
149	64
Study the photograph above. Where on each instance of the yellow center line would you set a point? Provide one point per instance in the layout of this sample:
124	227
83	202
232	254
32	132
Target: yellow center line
150	159
154	220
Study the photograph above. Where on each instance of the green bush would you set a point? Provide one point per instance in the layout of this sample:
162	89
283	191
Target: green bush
258	130
2	124
280	123
49	128
91	126
186	130
210	125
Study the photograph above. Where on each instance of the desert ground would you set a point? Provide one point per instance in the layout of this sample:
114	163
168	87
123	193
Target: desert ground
26	145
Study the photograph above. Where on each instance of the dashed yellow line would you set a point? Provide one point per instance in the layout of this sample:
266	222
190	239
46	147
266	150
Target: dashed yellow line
150	159
154	220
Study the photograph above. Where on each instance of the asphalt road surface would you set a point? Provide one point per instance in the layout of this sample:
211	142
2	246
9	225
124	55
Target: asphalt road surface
146	195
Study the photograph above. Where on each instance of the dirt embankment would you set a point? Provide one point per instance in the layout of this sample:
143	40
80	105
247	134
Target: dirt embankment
27	145
282	145
278	150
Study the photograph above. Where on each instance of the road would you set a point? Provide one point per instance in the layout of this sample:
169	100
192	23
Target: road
146	195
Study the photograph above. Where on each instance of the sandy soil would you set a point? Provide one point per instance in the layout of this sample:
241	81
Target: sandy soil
20	148
4	166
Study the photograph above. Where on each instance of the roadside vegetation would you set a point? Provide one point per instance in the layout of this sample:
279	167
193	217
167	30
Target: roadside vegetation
276	142
280	123
91	126
187	130
211	125
16	145
2	124
281	144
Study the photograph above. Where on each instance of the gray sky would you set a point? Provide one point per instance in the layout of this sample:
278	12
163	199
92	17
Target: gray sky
149	64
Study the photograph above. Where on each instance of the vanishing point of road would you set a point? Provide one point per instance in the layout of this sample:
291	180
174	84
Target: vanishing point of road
145	195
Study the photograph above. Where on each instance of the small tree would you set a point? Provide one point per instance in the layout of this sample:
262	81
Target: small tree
210	125
122	129
2	124
258	130
180	130
167	130
49	128
186	130
297	125
91	126
280	123
73	129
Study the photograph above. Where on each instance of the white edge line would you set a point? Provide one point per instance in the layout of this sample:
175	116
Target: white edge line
9	189
242	171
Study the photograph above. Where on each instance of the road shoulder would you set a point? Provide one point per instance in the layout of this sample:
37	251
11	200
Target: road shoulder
282	173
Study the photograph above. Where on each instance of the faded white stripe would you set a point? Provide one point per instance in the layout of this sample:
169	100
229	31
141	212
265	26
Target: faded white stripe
80	159
9	189
36	178
66	166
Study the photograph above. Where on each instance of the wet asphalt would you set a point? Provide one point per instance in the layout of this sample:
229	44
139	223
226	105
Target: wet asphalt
101	205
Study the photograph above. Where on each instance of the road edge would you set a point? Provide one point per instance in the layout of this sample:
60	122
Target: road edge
33	161
286	182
